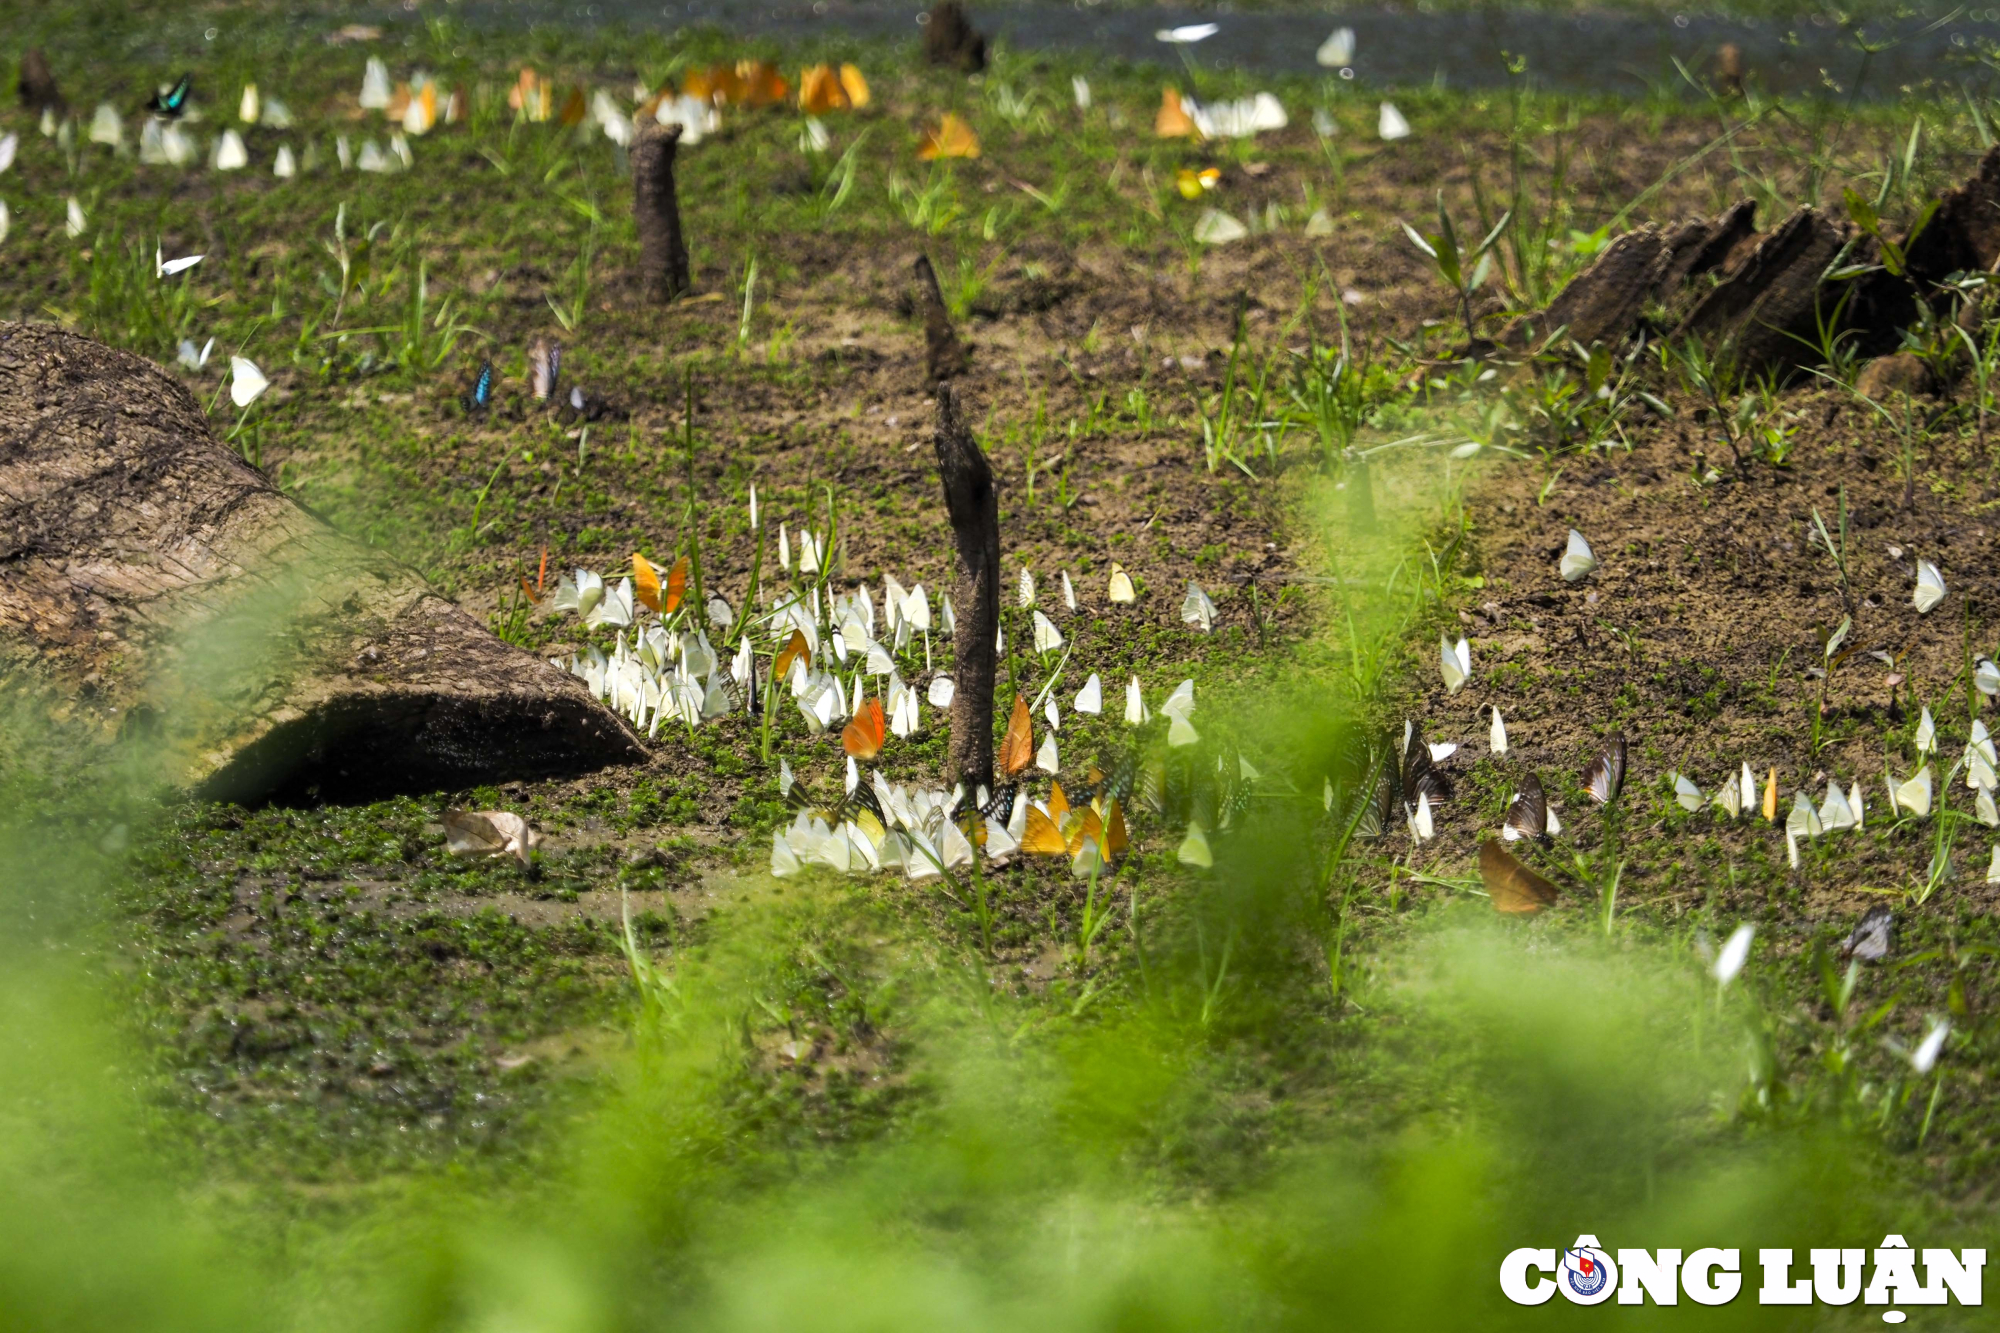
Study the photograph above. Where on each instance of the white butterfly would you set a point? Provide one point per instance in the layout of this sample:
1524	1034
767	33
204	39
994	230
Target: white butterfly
1930	587
1090	699
1421	826
1027	589
1735	953
1441	750
1045	758
1915	795
1986	676
615	608
1497	739
1456	663
230	152
1983	808
167	268
1181	702
1834	811
1993	866
1047	637
194	358
1392	126
941	691
1069	591
1926	733
1079	88
1197	609
1804	821
783	860
1188	33
375	93
1687	794
9	145
1215	227
1052	713
1337	50
1136	714
1121	584
246	382
1578	561
74	222
284	166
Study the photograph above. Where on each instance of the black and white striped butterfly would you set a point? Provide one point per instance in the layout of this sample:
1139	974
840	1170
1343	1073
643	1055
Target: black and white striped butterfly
1528	813
1870	940
1605	777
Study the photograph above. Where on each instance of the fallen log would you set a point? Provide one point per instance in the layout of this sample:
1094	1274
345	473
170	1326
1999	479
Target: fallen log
156	589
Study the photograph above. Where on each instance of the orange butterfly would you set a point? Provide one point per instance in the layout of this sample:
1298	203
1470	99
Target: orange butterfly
1041	837
1058	804
573	109
1173	121
1514	888
866	731
1017	748
645	581
952	138
797	650
677	582
1116	839
541	579
823	88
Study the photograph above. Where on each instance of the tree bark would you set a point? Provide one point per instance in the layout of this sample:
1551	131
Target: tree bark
1766	312
656	211
157	590
1604	303
974	506
945	357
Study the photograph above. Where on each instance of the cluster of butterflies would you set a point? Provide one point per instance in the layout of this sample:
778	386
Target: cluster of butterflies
1848	809
545	361
875	825
1389	784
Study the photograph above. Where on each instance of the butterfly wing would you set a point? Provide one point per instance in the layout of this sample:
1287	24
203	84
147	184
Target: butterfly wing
1042	837
1606	775
646	581
174	102
1017	748
865	731
1528	812
1421	776
676	589
1870	939
1513	887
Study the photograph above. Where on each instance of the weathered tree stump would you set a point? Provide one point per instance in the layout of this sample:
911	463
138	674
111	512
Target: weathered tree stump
1767	311
1703	245
945	357
656	212
974	507
155	588
950	39
38	83
1603	303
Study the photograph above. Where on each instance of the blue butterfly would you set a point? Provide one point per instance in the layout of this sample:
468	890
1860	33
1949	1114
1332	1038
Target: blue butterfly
481	396
171	104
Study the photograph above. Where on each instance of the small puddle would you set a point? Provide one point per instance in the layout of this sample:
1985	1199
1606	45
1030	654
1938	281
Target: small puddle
1588	52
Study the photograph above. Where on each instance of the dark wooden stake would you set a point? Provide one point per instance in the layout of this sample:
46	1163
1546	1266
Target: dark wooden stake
38	83
945	357
951	40
974	506
656	211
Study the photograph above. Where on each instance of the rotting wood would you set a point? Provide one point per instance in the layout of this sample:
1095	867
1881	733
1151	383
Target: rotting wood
945	357
656	212
1767	311
974	506
1603	303
951	41
156	587
1704	245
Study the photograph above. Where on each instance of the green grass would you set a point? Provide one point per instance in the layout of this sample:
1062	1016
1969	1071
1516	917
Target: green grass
300	1068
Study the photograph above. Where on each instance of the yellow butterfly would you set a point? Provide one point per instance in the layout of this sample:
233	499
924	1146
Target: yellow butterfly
952	138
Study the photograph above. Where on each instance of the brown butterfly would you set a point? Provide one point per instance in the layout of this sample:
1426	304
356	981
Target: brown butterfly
1606	775
1421	777
1017	748
1528	812
1513	887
